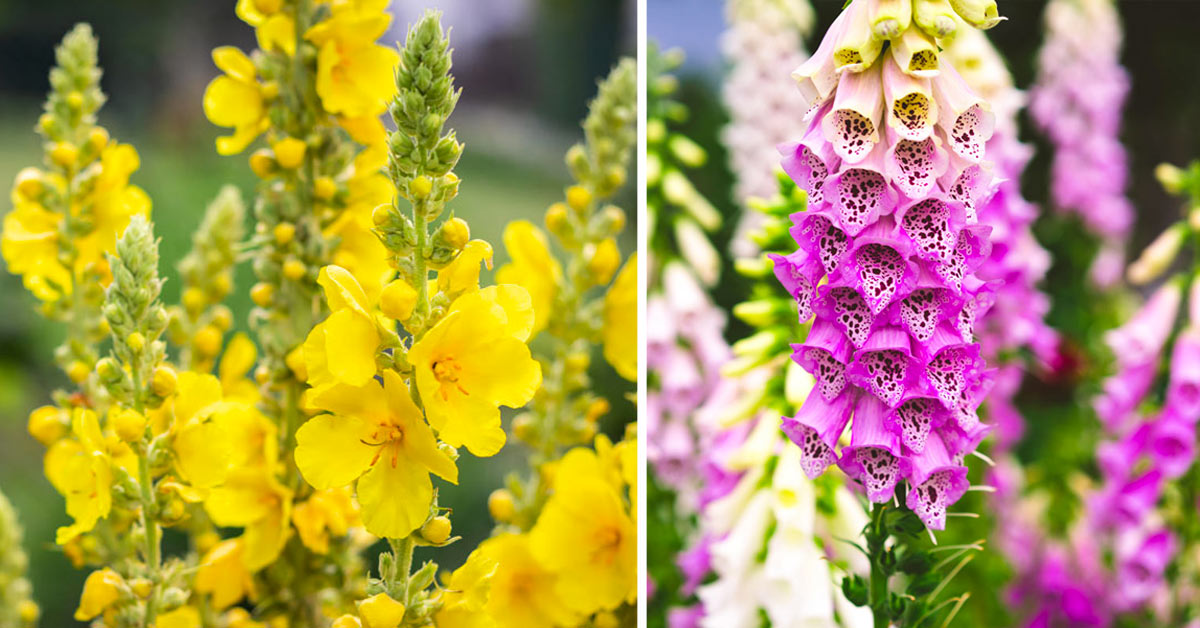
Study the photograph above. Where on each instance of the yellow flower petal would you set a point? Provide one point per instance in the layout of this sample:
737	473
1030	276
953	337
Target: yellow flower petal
381	611
202	453
620	321
418	442
231	103
350	346
332	451
342	289
395	495
235	63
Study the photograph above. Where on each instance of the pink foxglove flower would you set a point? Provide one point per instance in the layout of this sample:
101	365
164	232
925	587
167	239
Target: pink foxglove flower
894	165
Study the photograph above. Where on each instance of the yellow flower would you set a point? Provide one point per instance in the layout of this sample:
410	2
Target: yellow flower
466	594
377	433
341	349
201	444
533	267
182	617
237	360
462	274
359	249
585	536
620	321
253	499
113	202
354	75
473	361
223	574
101	589
29	246
522	592
235	100
80	469
381	611
274	29
328	512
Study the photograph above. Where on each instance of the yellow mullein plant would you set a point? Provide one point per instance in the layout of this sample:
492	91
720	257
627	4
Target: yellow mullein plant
565	543
376	351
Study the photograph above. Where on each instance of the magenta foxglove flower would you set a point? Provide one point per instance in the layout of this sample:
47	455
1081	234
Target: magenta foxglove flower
893	161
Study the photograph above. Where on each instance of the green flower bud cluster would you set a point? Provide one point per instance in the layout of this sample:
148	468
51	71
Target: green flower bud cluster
136	316
17	609
680	216
75	94
602	162
207	273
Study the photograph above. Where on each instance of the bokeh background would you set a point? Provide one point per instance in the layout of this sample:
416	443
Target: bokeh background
527	69
1161	124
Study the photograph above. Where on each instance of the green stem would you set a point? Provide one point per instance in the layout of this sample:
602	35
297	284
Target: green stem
153	559
402	555
878	591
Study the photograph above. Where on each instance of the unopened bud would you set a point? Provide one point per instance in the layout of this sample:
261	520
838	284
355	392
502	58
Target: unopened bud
420	187
289	152
556	219
283	233
136	342
29	183
578	197
262	293
398	300
1157	257
978	13
262	162
129	424
207	341
294	269
455	233
164	380
77	371
1169	176
436	530
501	505
605	260
48	424
97	139
64	154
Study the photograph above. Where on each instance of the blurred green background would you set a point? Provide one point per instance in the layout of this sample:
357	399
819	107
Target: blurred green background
527	69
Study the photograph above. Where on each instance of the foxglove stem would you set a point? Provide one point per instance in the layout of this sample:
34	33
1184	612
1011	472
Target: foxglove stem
876	539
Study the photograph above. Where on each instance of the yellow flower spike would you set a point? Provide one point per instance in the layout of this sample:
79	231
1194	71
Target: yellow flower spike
129	424
436	530
223	575
324	188
605	261
377	435
341	349
474	360
283	233
101	589
347	621
64	154
48	424
521	594
164	380
262	294
533	267
207	341
234	100
381	611
182	617
620	321
398	300
294	269
585	536
289	152
501	505
578	198
29	183
262	162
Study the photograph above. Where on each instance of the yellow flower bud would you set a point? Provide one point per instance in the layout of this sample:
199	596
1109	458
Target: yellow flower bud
380	611
347	621
75	100
262	293
107	369
420	187
578	197
193	299
29	182
222	318
262	163
207	341
28	611
142	587
46	122
502	505
163	381
398	300
604	261
100	590
605	619
284	232
136	341
222	285
456	232
78	371
294	269
295	363
269	90
47	424
578	361
129	424
436	530
523	427
262	374
289	152
324	188
379	215
556	218
97	138
597	409
64	154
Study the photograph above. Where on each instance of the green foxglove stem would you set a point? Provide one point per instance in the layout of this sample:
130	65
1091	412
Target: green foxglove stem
878	586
